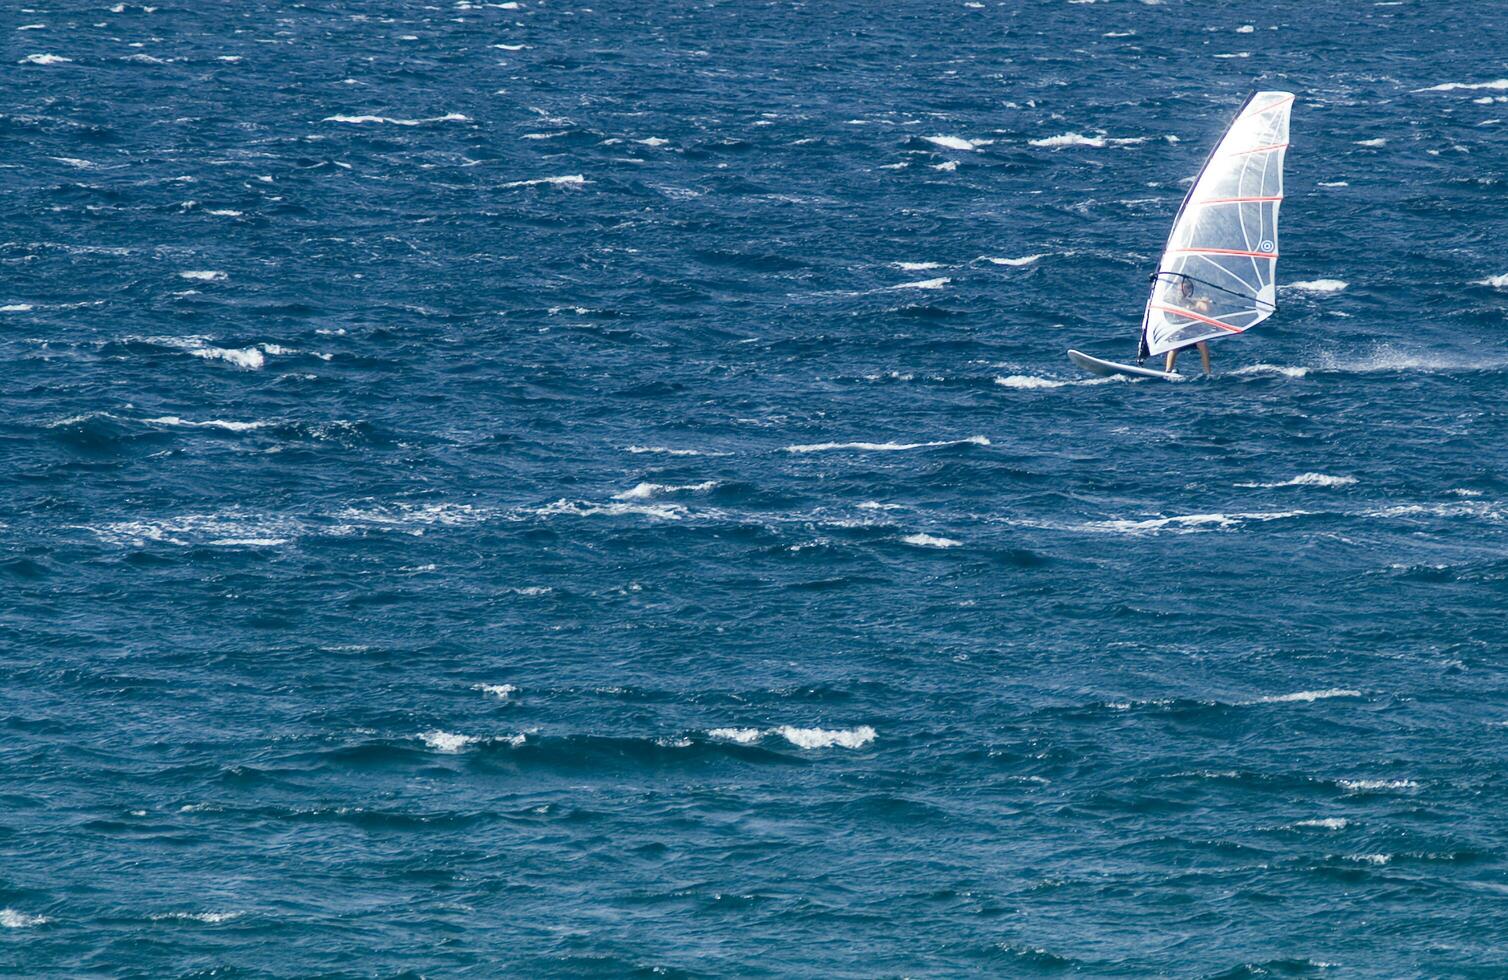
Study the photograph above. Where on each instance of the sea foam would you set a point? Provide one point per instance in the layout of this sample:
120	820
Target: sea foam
11	919
885	447
448	742
928	541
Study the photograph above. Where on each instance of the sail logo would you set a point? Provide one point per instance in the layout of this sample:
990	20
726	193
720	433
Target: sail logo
1266	246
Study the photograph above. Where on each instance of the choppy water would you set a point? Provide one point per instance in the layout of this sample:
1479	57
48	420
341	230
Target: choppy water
543	489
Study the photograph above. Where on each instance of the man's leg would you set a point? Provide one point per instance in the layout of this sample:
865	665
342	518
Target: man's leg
1204	355
1172	359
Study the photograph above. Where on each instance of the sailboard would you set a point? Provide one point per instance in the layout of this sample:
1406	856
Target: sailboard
1217	274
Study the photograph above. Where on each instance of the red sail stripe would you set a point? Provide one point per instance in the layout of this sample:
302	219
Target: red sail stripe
1257	149
1288	98
1238	200
1195	316
1228	251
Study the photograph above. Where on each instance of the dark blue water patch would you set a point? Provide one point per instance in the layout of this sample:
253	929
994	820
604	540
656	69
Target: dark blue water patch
597	491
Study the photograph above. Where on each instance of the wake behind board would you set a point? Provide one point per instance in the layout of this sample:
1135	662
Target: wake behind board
1106	369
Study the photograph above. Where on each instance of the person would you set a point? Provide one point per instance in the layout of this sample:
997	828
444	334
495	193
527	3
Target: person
1196	304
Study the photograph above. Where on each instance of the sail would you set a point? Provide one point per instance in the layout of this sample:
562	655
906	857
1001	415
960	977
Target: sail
1216	277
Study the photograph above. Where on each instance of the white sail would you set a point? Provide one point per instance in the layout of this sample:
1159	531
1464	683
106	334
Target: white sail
1216	277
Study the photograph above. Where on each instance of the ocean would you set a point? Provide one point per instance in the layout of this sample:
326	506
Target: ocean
540	489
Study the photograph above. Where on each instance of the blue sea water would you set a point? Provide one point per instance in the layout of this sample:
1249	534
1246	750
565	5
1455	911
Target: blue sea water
559	489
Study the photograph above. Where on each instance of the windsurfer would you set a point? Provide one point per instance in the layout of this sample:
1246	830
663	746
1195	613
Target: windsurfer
1195	304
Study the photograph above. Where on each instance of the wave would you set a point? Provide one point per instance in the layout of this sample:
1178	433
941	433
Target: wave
645	491
11	919
1031	381
1318	285
500	691
386	120
953	142
1282	370
207	424
586	508
1023	260
44	59
1496	282
1386	358
227	529
448	742
885	447
928	541
1079	139
1501	83
802	738
1376	785
1187	522
16	308
1306	480
1325	823
208	918
1307	697
569	180
203	275
666	451
916	266
937	283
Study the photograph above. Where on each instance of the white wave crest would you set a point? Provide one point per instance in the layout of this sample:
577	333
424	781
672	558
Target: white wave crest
1079	139
1318	285
645	491
937	283
1186	522
447	741
803	738
501	691
203	275
916	266
928	541
208	918
16	308
1496	282
1379	141
243	357
1325	823
665	451
569	180
822	738
1028	381
11	919
385	120
1306	480
1501	83
1023	260
207	424
1283	370
885	447
1370	858
44	59
1373	785
743	736
584	508
1307	697
952	142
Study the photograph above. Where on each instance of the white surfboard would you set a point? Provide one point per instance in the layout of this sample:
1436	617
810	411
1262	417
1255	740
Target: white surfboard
1103	368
